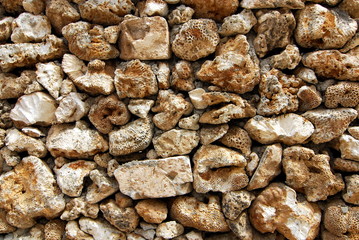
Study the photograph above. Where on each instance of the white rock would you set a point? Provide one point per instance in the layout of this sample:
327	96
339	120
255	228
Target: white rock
238	23
140	107
73	232
72	108
77	207
155	8
196	97
100	229
101	188
169	230
50	76
32	132
349	147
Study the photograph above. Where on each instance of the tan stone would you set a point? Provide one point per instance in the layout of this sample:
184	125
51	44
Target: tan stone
274	30
102	186
351	7
196	97
235	202
72	108
54	229
2	137
12	6
191	212
133	137
235	68
73	66
135	80
28	192
289	129
289	58
238	23
112	33
241	227
163	72
8	157
73	232
153	8
27	54
329	123
140	107
333	64
34	6
100	229
238	138
34	233
50	76
87	41
319	27
144	38
13	86
152	210
345	165
196	39
268	168
276	208
354	131
255	4
351	194
169	108
218	169
214	9
310	173
345	94
349	147
169	230
123	201
108	112
67	87
309	98
209	134
77	207
306	74
351	44
74	141
157	178
182	76
5	227
190	123
175	142
5	28
180	15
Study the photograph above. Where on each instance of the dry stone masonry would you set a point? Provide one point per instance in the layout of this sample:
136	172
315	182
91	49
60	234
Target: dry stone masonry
179	119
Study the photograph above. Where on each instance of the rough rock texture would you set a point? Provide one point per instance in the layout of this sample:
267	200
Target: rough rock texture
5	28
235	202
345	94
102	186
309	98
180	15
351	195
77	207
255	4
211	133
157	178
152	210
13	86
289	58
182	76
50	76
100	229
168	230
72	108
238	138
351	7
345	165
238	24
348	147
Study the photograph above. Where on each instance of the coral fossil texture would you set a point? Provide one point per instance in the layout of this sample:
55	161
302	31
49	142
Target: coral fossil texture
179	119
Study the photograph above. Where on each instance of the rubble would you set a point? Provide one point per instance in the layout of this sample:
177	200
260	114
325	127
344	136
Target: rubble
152	210
13	86
6	29
235	202
256	4
351	194
238	138
344	94
169	230
209	134
348	147
238	23
72	108
100	229
77	207
140	107
180	15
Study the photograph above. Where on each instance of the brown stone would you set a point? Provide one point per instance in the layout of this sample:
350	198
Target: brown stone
345	94
238	138
211	133
152	210
256	4
351	194
235	202
61	13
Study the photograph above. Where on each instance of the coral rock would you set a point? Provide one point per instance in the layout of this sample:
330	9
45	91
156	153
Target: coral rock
238	138
169	230
345	165
73	232
5	28
13	86
102	186
309	98
180	15
72	108
255	4
140	107
289	58
54	229
153	8
238	23
182	76
77	207
209	134
345	94
50	76
351	7
241	227
152	210
190	123
100	229
235	202
349	147
351	194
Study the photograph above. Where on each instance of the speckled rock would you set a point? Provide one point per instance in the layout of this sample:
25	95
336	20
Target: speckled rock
235	202
242	227
50	76
289	58
348	147
77	207
255	4
169	230
182	76
72	108
309	98
351	7
13	86
351	194
180	15
140	107
5	28
100	229
238	138
345	165
152	210
238	23
209	134
345	94
190	123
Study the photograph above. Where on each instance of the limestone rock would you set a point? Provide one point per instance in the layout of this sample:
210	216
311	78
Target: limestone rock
276	208
73	232
268	168
182	76
289	58
196	39
13	86
50	76
345	94
5	28
306	74
34	233
351	44
274	30
2	137
105	12
100	229
334	64
70	177
218	169
309	98
107	112
196	214
214	10
169	230
144	38
157	178
180	15
152	210
175	142
241	227
28	192
238	138
209	134
354	131
12	6
196	97
87	41
310	173
289	129
5	227
74	141
73	66
169	108
235	202
319	27
345	165
27	54
54	229
135	80
190	123
102	186
235	68
72	108
351	194
329	123
238	23
255	4
17	141
349	147
132	137
351	7
77	207
162	71
34	6
140	107
30	28
153	8
11	158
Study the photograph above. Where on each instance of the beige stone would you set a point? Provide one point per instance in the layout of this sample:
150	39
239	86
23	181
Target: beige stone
73	232
319	27
6	30
140	107
306	74
218	169
163	72
28	192
182	76
102	186
2	137
309	98
190	123
8	157
289	58
289	129
112	33
235	202
349	147
123	201
238	138
209	134
180	15
196	39
310	173
351	194
196	97
74	141
30	28
191	212
50	76
169	230
351	44
100	229
153	8
54	229
12	6
274	30
351	7
255	4
268	168
329	123
241	227
175	142
152	210
77	207
157	178
108	112
345	94
73	66
27	54
144	38
13	86
238	23
235	67
72	108
133	137
169	108
34	233
333	64
124	219
105	12
354	131
5	227
34	6
276	208
67	87
87	41
345	165
135	80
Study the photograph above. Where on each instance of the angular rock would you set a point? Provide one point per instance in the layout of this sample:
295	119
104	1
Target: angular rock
182	76
238	23
5	227
73	232
351	194
238	138
175	142
310	173
140	107
152	210
309	98
345	165
255	4
169	230
190	123
218	169
196	97
345	94
354	131
235	202
50	76
180	15
132	137
5	28
349	147
77	207
144	38
74	141
241	227
157	178
306	74
289	58
13	86
329	123
289	129
319	27
28	192
72	108
34	6
209	134
196	39
102	186
153	8
100	229
351	7
162	71
276	208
